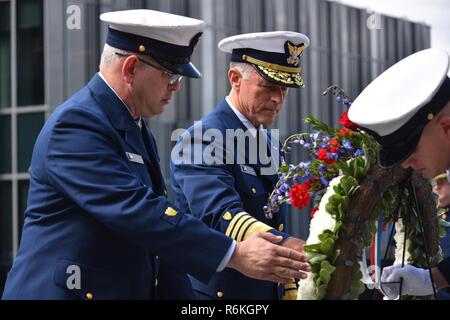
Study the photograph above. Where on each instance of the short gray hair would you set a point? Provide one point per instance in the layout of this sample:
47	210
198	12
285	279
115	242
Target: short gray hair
243	68
109	56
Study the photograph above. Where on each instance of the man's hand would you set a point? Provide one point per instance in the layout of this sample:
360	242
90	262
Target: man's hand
261	258
416	281
294	244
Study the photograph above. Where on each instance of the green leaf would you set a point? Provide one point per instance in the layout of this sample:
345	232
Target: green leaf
324	235
342	165
327	247
284	168
341	210
331	209
314	248
315	268
321	291
325	275
348	183
337	227
335	199
326	265
442	232
317	258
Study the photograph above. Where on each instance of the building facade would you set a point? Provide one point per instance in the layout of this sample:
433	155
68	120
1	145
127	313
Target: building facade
51	48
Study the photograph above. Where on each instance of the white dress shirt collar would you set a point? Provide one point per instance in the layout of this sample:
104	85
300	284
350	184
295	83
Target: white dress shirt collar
243	119
137	121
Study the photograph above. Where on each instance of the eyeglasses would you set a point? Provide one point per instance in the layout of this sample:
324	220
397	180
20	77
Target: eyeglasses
172	77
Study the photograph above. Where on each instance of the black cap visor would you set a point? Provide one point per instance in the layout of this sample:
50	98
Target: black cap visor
390	156
185	69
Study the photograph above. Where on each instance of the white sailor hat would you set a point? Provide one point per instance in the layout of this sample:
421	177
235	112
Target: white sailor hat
169	39
275	55
398	104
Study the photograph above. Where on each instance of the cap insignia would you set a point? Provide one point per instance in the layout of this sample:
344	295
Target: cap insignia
294	52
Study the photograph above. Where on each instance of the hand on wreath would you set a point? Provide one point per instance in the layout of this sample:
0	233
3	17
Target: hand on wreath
416	281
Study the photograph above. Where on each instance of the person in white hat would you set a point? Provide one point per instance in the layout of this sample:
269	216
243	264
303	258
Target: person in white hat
407	110
263	67
98	223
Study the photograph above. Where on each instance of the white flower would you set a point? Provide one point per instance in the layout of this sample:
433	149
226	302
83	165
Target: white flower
307	288
321	221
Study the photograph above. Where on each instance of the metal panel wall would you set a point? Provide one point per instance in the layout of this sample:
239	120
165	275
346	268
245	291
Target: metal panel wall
343	51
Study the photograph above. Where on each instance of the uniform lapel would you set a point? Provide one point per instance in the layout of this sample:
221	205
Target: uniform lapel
232	122
155	169
118	115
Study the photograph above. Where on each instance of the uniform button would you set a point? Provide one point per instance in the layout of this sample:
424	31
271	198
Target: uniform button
253	190
227	216
430	116
165	192
219	294
281	227
141	48
171	212
156	257
156	282
89	296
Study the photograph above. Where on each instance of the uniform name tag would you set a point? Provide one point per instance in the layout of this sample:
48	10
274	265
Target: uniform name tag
248	170
133	157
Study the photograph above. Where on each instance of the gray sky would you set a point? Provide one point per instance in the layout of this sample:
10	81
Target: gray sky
435	13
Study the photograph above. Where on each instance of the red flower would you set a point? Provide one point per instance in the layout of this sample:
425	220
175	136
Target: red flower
334	145
299	195
345	131
322	155
313	211
345	121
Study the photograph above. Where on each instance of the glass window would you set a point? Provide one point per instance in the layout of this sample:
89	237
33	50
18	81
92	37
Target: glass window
30	53
5	55
5	144
5	230
28	129
23	198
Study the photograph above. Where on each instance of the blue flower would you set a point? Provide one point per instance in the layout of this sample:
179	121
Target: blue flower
304	165
347	145
332	155
284	187
324	181
359	152
321	167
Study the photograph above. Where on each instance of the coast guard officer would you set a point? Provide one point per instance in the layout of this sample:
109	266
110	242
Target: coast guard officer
407	110
98	221
229	194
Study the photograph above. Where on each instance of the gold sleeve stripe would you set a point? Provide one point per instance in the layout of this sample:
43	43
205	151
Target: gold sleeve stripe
290	295
233	222
239	224
243	229
290	286
259	226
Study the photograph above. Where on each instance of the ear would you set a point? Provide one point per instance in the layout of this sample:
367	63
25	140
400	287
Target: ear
444	124
235	77
129	68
